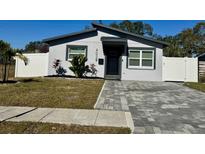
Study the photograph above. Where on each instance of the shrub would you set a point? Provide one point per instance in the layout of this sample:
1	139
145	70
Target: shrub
78	65
93	69
59	69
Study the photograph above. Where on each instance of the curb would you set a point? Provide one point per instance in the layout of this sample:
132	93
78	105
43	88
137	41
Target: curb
130	123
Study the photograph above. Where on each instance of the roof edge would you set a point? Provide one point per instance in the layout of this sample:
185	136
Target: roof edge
201	55
94	24
68	35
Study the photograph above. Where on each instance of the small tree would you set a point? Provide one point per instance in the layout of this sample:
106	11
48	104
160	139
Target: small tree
7	54
78	65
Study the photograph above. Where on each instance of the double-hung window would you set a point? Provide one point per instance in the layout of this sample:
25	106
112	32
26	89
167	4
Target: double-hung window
76	51
141	58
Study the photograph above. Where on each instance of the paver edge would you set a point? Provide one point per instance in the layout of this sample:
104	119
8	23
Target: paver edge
129	121
99	95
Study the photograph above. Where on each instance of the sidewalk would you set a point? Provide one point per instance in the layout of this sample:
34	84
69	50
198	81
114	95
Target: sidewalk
67	116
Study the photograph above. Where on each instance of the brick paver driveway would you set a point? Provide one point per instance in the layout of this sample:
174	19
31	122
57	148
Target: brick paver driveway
157	107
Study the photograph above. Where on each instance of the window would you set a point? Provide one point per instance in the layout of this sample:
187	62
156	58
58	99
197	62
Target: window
75	51
141	58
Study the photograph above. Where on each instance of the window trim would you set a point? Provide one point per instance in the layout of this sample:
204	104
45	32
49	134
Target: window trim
141	59
68	51
133	58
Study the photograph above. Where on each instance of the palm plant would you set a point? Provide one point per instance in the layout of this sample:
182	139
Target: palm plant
7	54
78	65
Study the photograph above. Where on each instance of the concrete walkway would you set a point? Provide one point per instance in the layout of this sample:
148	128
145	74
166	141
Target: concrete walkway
67	116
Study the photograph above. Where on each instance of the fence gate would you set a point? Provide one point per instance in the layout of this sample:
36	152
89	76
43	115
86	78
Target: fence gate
201	68
180	69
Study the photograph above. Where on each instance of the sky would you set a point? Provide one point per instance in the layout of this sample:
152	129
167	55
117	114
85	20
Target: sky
19	32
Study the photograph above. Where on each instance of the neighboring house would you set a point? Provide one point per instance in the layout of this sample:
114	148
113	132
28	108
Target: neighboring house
117	54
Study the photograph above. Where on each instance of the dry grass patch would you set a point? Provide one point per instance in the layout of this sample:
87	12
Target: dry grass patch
51	92
197	86
49	128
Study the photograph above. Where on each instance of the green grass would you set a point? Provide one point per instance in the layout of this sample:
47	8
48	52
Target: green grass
197	86
49	128
51	92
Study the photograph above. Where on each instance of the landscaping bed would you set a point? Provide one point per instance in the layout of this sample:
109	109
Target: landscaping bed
51	92
197	86
50	128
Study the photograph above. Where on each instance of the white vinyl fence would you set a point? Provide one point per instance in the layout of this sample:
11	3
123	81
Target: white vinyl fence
37	65
180	69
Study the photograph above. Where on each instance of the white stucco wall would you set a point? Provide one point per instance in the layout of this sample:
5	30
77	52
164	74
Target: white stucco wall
37	65
94	45
94	51
143	74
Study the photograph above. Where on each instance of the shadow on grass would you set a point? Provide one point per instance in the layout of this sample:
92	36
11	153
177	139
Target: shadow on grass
27	80
20	80
73	77
9	82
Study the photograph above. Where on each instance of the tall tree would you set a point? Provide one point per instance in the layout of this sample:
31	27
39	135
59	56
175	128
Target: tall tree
199	28
127	25
186	43
4	50
173	49
115	25
136	27
199	31
192	40
7	54
36	47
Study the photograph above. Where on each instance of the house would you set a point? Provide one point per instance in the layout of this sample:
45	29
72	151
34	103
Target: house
117	54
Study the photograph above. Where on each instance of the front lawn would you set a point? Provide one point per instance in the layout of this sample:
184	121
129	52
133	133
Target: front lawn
197	86
49	128
51	92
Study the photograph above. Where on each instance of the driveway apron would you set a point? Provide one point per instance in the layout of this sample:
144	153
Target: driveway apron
156	107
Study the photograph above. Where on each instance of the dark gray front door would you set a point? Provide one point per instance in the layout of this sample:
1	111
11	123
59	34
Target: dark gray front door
112	65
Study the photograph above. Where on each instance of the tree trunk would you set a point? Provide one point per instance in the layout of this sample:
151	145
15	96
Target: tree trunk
7	77
5	71
76	75
2	71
